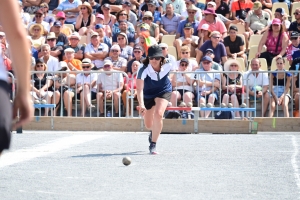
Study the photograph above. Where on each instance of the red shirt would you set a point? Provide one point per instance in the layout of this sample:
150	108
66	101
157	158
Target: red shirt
131	83
244	5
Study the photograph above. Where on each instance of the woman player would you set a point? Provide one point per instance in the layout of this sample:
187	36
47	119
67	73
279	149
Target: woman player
154	91
19	48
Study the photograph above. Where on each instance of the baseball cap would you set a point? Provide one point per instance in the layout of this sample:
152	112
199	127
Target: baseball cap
161	45
205	27
206	58
280	10
276	21
188	25
99	26
138	47
39	11
127	3
233	28
294	34
115	47
212	3
61	14
100	16
106	5
75	35
107	62
152	2
57	23
209	50
184	60
257	5
94	34
69	50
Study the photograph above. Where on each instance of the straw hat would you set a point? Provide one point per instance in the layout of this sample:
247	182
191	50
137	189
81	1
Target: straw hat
88	5
230	62
36	25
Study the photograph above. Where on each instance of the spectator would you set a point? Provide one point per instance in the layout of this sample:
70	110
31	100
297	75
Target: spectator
86	86
179	5
61	17
61	38
294	25
222	8
126	50
115	5
144	7
118	63
53	4
240	8
31	6
137	56
156	16
208	84
292	51
96	51
144	39
234	44
109	87
24	15
74	39
34	52
36	31
169	21
56	51
70	7
257	85
51	61
257	22
182	84
280	83
130	88
109	19
72	63
186	53
214	23
124	29
132	16
232	85
214	44
122	16
168	57
39	19
100	20
215	66
85	19
280	14
198	14
204	33
99	28
154	28
191	19
47	18
94	6
6	61
276	41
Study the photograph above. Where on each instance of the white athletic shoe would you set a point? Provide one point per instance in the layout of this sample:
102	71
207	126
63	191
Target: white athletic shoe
43	101
37	101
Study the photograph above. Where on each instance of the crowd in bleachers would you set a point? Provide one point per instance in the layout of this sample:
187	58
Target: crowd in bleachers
199	38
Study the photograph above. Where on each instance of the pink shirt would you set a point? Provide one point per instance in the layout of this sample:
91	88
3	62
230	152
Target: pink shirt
218	25
272	42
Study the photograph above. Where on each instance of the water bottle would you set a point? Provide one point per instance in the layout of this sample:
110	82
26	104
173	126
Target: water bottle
108	114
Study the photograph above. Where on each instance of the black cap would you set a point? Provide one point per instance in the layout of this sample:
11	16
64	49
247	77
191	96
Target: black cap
233	28
280	10
209	50
155	51
39	61
152	2
188	25
127	3
106	5
184	60
138	47
294	34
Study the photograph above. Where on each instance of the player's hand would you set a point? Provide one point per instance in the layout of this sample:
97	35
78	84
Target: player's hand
142	110
22	103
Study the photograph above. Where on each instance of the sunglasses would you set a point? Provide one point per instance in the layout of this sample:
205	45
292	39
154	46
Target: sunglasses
123	14
147	18
106	66
38	16
184	65
36	29
156	58
39	65
85	67
61	19
164	48
233	66
205	63
208	53
216	37
121	38
51	40
137	52
184	52
114	50
296	13
82	8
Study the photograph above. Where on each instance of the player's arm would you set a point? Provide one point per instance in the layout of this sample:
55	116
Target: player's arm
19	48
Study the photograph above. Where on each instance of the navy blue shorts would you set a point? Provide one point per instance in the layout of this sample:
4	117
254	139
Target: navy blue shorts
149	103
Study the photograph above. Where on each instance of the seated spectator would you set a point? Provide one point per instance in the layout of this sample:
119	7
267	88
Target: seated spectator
55	51
294	24
118	63
182	84
280	14
276	41
179	6
292	51
71	10
257	85
61	17
126	50
168	57
124	29
186	53
109	87
39	19
215	66
214	23
34	52
208	84
25	17
96	51
257	22
240	8
190	19
132	16
280	83
155	15
85	19
145	40
109	19
204	33
232	85
137	56
100	20
130	88
169	21
115	6
188	39
61	38
47	18
37	31
214	44
6	61
95	5
31	6
222	8
122	16
74	39
198	14
86	86
72	63
234	44
51	61
40	84
153	27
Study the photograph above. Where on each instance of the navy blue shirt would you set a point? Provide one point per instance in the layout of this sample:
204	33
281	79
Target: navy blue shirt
181	26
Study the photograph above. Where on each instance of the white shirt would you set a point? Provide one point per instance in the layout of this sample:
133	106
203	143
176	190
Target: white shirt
198	15
207	76
261	80
82	79
178	5
110	82
101	48
192	64
46	25
181	78
52	64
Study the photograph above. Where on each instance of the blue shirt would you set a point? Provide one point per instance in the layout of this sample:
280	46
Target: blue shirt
181	26
155	83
